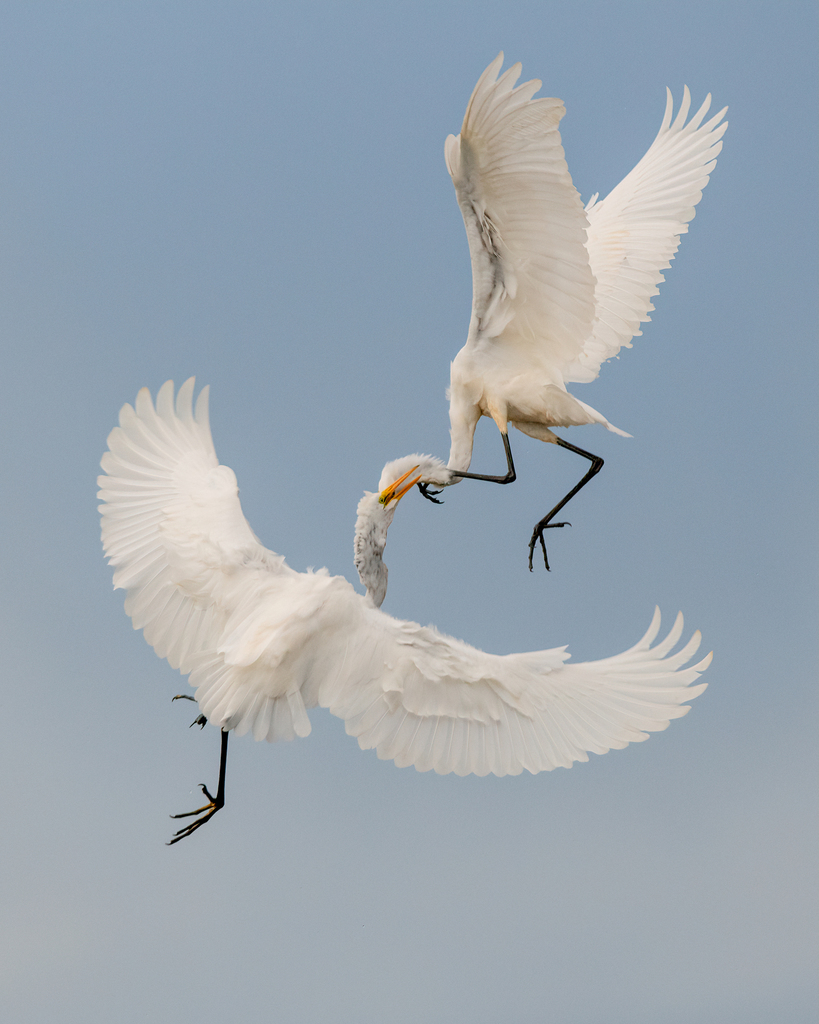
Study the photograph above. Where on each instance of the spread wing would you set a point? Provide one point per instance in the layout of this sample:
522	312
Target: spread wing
262	642
199	583
424	699
635	231
532	286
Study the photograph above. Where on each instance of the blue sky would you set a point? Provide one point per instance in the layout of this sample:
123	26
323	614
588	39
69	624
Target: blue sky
256	194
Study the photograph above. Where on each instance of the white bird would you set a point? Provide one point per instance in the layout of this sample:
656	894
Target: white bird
262	642
558	289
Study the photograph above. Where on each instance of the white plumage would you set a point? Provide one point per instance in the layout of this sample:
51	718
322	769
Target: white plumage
558	289
262	643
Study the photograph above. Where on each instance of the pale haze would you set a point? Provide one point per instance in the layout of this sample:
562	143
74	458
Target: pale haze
255	194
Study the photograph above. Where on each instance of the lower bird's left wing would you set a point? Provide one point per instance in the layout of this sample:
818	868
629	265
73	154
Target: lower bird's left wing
424	699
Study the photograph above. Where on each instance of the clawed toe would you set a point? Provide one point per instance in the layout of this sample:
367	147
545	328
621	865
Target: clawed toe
207	813
200	720
429	494
537	535
214	804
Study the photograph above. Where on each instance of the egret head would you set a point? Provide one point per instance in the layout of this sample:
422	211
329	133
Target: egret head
375	512
394	489
428	469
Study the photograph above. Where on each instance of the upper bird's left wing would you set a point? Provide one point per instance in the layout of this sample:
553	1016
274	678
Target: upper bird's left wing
635	231
531	282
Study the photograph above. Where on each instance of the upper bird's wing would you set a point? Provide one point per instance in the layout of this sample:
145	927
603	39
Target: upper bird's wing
424	699
635	231
532	287
199	582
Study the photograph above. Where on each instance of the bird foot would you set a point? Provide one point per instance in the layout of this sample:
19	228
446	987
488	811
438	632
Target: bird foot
214	804
537	535
200	720
428	494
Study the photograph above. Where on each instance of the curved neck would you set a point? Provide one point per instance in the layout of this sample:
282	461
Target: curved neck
370	541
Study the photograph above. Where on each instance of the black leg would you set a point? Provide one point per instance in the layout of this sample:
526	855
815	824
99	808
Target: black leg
510	468
545	523
510	474
215	803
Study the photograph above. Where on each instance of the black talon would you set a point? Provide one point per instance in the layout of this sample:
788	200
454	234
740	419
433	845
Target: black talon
537	535
428	494
215	803
211	809
200	720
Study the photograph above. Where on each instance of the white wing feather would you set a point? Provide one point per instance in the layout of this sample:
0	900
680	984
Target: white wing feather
635	231
524	219
262	642
193	570
561	287
452	708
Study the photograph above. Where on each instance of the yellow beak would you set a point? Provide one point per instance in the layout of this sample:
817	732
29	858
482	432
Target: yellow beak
392	494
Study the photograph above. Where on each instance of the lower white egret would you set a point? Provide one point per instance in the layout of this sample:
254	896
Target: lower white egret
557	289
262	642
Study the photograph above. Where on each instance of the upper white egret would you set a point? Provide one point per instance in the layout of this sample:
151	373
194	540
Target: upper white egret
262	642
557	289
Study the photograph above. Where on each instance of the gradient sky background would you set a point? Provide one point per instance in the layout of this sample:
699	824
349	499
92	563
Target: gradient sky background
256	194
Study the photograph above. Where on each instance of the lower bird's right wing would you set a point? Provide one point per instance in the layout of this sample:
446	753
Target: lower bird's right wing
424	699
209	596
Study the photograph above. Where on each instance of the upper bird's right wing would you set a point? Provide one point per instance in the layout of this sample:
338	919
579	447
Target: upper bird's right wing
532	288
635	231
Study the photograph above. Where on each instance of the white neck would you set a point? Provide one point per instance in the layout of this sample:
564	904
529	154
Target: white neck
370	540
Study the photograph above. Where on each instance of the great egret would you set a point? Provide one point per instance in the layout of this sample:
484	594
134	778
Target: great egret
557	289
262	642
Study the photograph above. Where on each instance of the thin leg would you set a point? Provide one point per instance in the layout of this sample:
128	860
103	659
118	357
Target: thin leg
215	803
510	474
545	523
510	468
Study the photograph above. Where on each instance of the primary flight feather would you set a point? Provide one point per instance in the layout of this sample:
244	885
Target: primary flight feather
262	643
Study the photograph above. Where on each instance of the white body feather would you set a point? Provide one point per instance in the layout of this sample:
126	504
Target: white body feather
557	289
262	642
